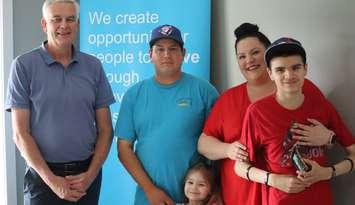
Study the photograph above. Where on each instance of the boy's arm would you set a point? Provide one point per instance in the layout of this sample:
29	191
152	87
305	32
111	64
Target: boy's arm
286	183
319	173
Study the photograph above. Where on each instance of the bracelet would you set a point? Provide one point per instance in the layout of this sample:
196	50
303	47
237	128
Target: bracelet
248	169
267	178
351	163
333	172
331	140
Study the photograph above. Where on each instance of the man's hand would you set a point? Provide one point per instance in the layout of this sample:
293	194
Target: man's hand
157	196
61	187
80	182
237	151
315	134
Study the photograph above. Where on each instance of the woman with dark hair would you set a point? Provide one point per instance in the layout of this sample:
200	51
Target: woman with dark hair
221	134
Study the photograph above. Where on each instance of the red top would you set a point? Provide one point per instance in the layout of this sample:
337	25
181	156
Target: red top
225	123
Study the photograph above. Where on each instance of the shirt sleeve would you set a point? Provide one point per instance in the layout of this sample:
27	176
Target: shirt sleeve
104	95
250	136
124	128
18	87
211	97
214	124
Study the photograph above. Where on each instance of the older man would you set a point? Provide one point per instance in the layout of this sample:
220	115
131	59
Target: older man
59	100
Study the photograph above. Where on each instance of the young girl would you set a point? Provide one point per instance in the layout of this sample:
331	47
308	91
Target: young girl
199	182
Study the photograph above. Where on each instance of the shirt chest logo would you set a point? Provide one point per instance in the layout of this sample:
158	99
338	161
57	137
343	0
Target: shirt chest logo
185	102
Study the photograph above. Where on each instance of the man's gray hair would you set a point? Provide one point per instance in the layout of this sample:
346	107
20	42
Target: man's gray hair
47	3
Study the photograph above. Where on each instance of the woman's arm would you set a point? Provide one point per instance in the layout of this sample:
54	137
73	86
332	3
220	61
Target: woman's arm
214	149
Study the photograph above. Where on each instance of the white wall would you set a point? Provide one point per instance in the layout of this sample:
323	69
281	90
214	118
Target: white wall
2	141
8	166
326	28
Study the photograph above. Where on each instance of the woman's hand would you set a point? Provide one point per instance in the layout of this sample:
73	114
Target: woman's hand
237	151
315	134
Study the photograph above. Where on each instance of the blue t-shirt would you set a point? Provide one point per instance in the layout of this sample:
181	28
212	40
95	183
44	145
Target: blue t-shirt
62	101
165	121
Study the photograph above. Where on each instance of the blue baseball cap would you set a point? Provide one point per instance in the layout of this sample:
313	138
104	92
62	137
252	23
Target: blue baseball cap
284	46
166	32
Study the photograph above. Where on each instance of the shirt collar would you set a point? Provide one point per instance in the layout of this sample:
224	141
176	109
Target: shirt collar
50	60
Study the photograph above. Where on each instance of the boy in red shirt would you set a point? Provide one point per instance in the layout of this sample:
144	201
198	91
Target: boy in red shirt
268	130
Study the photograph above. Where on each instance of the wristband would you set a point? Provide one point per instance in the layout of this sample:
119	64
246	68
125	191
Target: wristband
351	163
248	169
267	178
333	172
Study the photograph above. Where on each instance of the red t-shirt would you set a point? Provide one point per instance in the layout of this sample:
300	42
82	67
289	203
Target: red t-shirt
266	128
225	123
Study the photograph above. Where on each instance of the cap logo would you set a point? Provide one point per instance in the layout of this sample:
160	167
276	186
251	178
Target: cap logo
166	30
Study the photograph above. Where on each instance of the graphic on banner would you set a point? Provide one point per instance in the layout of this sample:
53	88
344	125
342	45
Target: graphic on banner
117	32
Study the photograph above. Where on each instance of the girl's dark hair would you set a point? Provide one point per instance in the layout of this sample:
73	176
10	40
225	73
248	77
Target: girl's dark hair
246	30
207	170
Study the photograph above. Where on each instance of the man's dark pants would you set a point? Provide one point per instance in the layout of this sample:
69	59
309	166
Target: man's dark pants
36	192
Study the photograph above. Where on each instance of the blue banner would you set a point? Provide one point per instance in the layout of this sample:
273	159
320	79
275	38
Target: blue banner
117	32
